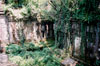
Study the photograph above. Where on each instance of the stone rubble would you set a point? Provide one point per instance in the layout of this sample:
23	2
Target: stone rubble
4	60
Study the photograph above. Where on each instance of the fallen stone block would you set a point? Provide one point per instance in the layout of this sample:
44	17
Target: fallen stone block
8	64
3	58
68	62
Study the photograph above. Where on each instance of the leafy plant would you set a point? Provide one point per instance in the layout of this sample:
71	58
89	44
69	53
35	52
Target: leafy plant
29	46
30	55
16	3
13	49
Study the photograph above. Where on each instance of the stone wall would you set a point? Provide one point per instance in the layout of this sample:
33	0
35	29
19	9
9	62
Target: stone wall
3	30
15	32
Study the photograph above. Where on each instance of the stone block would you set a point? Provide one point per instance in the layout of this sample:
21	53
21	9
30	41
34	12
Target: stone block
3	58
68	62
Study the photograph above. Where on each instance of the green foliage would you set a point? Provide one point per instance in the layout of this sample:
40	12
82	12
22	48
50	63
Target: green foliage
33	9
26	54
30	47
66	11
16	3
31	55
62	11
28	14
10	1
97	63
13	49
88	10
80	64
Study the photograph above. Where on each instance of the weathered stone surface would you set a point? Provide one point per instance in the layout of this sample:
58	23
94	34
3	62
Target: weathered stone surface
3	26
14	32
3	30
77	45
3	58
69	62
4	61
8	64
1	13
1	6
20	30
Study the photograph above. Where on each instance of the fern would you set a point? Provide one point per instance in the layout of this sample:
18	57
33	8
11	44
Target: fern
30	55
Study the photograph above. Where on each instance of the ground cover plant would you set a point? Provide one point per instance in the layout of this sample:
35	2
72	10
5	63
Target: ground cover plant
31	55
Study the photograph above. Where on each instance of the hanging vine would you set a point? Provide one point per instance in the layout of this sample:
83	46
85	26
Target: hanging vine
83	11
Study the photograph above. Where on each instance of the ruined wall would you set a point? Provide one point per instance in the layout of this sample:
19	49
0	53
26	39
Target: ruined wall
84	39
30	31
15	32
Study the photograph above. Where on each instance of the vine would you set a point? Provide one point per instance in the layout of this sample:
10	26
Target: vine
85	11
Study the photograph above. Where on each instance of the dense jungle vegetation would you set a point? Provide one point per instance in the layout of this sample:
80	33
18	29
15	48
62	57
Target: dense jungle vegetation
62	13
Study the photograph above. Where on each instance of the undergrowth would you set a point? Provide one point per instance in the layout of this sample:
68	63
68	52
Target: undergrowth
33	55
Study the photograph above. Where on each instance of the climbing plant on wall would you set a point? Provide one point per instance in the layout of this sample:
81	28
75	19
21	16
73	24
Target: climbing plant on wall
64	10
36	9
83	11
88	10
